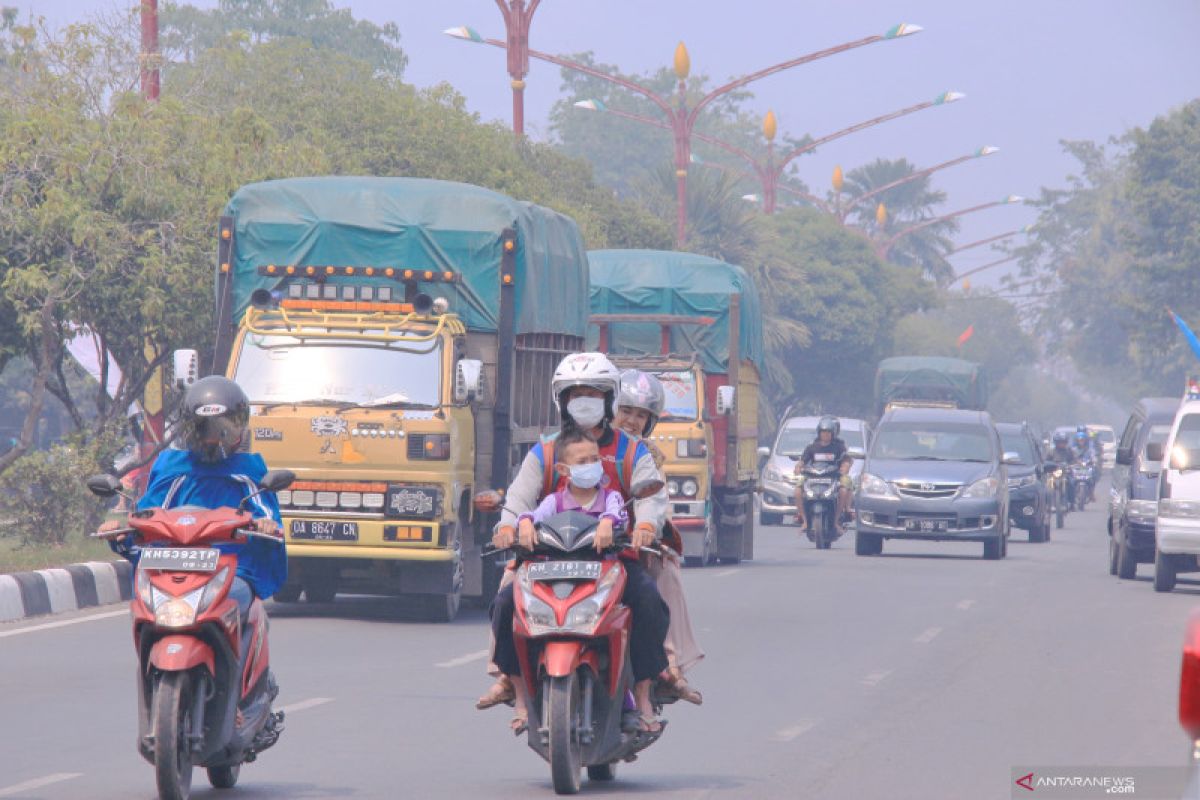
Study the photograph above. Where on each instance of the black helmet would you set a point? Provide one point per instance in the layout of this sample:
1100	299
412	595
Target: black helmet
829	423
1060	437
213	418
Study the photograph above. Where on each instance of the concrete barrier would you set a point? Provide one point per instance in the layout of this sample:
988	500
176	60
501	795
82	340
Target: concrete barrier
53	591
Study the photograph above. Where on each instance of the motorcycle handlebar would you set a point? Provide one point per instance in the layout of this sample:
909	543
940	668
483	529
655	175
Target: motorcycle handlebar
113	534
252	533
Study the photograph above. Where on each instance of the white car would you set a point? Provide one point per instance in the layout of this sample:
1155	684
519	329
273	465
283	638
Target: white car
1177	529
1108	438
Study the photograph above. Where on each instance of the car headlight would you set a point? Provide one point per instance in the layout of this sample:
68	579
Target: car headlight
772	474
1179	508
985	487
1022	482
1143	511
874	486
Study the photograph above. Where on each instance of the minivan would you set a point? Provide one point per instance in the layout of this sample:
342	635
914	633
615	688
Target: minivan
1177	528
1133	503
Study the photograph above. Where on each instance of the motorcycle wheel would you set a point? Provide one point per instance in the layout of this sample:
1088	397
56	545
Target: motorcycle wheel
172	718
602	772
224	777
566	751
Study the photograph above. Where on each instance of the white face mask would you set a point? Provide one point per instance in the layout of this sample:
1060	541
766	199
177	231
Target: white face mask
588	412
587	476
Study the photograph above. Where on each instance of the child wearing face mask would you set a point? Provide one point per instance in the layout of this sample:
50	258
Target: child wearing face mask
579	462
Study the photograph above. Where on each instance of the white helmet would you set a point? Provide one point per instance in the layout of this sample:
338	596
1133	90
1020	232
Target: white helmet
642	390
586	369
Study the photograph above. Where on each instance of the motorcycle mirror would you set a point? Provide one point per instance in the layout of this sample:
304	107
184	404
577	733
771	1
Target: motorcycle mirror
276	480
763	452
644	489
489	501
104	485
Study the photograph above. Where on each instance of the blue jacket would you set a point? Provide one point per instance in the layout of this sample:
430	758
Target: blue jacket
177	479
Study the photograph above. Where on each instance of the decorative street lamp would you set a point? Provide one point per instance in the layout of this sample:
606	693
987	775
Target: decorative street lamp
990	239
680	118
962	275
986	150
885	247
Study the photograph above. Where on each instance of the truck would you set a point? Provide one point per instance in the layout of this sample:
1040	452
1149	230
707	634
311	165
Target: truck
396	338
696	323
930	381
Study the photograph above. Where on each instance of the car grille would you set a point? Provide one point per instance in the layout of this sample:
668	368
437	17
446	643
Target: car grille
926	489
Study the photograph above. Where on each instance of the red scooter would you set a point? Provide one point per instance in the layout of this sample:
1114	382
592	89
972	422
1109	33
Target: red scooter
572	638
204	688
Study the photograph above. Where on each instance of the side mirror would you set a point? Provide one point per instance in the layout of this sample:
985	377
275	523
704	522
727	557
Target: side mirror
764	452
1154	452
186	364
644	489
277	480
468	380
726	395
1124	456
1011	458
104	485
856	452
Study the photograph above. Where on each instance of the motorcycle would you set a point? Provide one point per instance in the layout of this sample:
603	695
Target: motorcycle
1057	488
820	490
572	635
1081	482
204	687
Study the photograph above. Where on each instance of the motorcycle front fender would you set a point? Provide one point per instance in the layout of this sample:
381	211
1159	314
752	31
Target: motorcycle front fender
560	659
180	653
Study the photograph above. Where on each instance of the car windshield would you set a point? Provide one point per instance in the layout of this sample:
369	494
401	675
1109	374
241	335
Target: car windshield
932	442
1158	435
793	440
1185	452
1019	444
681	399
283	369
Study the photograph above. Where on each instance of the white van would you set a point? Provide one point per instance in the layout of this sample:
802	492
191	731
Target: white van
1177	529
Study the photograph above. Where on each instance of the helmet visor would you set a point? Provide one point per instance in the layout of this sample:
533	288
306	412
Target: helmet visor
212	438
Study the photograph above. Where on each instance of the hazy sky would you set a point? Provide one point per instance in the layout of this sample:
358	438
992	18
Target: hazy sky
1034	71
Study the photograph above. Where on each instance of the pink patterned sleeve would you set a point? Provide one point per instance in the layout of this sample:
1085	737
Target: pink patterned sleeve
613	507
545	509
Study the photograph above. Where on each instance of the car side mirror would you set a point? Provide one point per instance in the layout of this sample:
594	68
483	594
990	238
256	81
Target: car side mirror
856	452
104	485
1011	458
185	367
468	380
1124	456
276	480
764	453
1154	452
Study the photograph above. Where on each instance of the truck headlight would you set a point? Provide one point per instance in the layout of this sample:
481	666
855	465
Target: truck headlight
1179	508
985	487
690	487
874	486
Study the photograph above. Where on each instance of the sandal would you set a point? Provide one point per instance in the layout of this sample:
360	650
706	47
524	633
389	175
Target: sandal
648	723
519	723
677	686
502	691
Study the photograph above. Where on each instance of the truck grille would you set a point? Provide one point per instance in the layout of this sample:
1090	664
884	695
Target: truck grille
927	489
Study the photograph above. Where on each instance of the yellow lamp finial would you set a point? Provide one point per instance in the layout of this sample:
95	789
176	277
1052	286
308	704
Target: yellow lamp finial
683	63
881	215
769	126
837	179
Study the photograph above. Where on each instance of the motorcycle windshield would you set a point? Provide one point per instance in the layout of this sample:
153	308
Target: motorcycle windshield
567	530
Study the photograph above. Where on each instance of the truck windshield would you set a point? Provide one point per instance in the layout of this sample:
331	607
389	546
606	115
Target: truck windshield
933	442
283	369
681	399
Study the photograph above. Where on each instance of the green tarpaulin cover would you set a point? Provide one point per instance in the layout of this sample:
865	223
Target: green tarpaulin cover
669	282
419	224
929	377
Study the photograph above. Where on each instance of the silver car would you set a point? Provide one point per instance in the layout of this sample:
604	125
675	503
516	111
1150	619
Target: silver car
778	499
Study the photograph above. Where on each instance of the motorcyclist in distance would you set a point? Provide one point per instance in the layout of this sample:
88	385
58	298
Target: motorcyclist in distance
1062	453
827	447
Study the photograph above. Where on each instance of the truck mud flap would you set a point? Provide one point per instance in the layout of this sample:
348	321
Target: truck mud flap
735	526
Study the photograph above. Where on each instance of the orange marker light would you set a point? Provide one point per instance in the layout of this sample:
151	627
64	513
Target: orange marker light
271	269
447	276
224	268
509	245
349	270
226	233
329	270
389	272
408	273
291	270
508	278
310	270
370	271
428	274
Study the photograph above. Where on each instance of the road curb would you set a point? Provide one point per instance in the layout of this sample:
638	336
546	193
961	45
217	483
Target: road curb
69	588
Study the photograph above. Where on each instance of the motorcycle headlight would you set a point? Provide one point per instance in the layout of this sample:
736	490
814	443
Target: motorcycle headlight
538	614
175	612
874	486
213	589
986	487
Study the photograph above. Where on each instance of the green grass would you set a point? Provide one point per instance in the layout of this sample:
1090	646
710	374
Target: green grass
15	558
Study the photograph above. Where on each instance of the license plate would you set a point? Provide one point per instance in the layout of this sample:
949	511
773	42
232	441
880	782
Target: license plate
320	530
927	525
564	570
180	559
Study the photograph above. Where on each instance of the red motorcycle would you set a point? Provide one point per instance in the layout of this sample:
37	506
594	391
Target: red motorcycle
572	638
205	690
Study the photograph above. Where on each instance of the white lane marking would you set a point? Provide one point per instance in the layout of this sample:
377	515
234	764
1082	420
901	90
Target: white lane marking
45	626
965	605
725	573
311	702
875	678
795	731
467	659
928	635
37	783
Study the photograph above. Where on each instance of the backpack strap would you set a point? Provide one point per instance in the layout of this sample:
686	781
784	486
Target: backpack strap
625	465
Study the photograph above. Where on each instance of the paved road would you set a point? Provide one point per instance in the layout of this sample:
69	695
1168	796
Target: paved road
925	673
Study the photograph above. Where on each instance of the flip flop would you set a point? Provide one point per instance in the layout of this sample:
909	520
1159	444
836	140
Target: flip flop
502	691
648	723
519	723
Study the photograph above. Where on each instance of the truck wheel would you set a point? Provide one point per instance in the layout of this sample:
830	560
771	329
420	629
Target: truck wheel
867	544
1164	572
444	607
288	593
320	584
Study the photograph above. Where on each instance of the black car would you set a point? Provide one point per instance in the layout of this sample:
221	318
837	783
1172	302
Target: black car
1028	499
934	474
1133	506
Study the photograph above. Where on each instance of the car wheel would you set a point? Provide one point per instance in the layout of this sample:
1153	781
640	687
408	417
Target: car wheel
1126	562
993	549
769	518
1164	572
1038	533
1112	555
867	544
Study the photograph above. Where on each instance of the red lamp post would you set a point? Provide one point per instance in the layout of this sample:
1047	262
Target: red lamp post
883	248
678	116
150	55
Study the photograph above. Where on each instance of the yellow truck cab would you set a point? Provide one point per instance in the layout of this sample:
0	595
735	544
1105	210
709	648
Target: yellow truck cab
695	323
387	331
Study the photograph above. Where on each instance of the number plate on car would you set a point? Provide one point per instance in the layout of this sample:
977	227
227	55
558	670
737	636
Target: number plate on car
180	559
564	570
322	530
927	525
